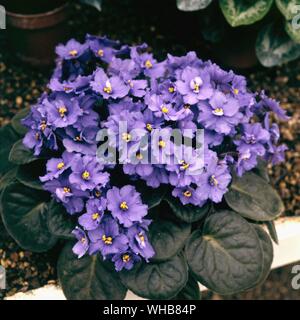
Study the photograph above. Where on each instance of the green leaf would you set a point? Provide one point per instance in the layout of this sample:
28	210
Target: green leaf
168	238
151	197
29	174
244	12
7	178
19	154
161	280
272	231
274	46
24	213
187	213
226	256
88	278
262	170
16	122
60	223
93	3
253	198
287	8
293	31
191	291
192	5
8	136
267	248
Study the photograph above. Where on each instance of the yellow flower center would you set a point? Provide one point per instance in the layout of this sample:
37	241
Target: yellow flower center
126	258
95	216
164	109
171	89
148	64
77	138
236	91
218	112
43	125
60	165
62	111
187	106
126	136
97	194
123	205
100	53
161	143
83	240
73	53
139	156
149	126
184	165
213	181
67	190
187	193
85	175
107	240
141	236
108	87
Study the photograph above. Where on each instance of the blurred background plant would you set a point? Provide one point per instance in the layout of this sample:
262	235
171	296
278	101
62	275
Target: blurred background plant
274	25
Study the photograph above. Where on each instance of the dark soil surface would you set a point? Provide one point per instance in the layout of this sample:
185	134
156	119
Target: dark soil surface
165	30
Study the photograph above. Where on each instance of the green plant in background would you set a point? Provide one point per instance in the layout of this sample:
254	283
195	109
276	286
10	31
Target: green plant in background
278	39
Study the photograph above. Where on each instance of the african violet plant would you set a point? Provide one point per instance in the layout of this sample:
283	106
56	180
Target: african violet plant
156	228
278	39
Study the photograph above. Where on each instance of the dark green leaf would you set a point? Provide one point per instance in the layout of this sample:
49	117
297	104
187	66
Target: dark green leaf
29	174
24	212
267	248
288	8
151	197
187	213
16	122
88	278
272	231
7	178
167	238
60	223
160	280
274	46
191	291
8	136
262	170
244	12
192	5
225	256
253	198
94	3
19	154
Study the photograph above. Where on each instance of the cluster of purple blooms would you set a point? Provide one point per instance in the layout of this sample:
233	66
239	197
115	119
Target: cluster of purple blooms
99	83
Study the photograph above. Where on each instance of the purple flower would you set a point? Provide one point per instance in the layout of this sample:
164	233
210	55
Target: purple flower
125	260
107	238
160	108
72	50
126	205
82	246
187	195
221	114
112	87
246	162
213	182
194	85
94	215
87	174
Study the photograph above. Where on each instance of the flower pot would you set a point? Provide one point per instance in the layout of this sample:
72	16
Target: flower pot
35	29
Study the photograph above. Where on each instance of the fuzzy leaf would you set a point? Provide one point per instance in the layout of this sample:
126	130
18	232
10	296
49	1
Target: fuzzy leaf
160	280
293	31
192	5
24	212
167	238
191	291
19	154
244	12
28	174
253	198
226	256
88	278
16	122
274	46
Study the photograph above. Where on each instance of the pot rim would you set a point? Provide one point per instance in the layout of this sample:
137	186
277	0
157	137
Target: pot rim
37	15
